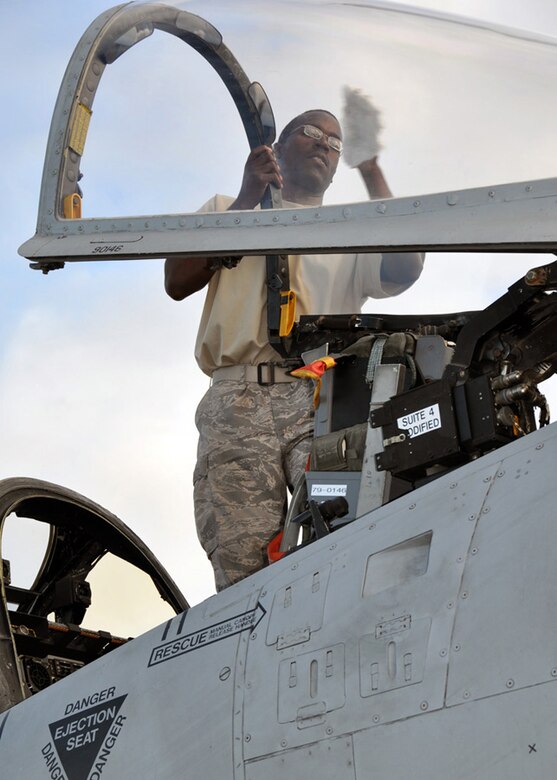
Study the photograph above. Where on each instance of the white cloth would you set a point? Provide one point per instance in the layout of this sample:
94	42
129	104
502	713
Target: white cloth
233	327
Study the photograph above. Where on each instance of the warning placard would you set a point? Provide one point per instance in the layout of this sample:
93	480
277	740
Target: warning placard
84	740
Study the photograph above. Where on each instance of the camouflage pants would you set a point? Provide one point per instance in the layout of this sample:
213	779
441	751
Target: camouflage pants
253	443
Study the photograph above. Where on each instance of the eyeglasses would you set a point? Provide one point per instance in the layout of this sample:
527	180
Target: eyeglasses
315	132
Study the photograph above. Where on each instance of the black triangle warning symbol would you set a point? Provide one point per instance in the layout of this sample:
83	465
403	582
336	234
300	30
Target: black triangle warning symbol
79	737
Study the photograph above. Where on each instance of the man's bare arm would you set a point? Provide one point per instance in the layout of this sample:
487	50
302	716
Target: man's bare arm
184	276
396	267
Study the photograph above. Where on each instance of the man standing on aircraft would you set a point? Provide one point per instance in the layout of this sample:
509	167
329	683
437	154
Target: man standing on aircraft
255	438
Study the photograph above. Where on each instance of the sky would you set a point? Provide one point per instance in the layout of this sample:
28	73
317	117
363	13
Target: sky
98	386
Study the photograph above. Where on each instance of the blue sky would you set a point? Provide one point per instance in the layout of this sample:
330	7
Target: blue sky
97	383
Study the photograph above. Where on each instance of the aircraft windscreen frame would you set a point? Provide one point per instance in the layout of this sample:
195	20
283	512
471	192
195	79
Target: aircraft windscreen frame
502	217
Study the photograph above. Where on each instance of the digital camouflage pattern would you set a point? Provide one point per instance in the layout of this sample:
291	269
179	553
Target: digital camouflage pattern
254	441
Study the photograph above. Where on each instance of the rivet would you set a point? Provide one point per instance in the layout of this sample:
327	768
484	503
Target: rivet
145	224
456	648
510	683
487	479
464	595
333	546
471	517
554	672
416	204
294	218
224	673
453	485
423	706
329	730
459	559
501	474
237	220
452	199
256	220
474	550
466	695
275	219
254	635
539	446
247	737
376	719
294	566
283	743
381	208
372	526
263	593
218	221
528	188
346	213
198	221
491	193
442	653
412	506
450	604
317	215
485	510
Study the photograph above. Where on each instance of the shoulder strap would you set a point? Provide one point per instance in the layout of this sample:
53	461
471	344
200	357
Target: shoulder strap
278	283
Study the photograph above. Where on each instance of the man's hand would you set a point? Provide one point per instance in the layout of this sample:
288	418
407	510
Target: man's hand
261	169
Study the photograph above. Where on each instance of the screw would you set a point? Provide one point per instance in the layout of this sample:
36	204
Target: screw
224	673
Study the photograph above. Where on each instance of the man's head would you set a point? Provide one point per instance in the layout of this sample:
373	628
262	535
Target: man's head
307	162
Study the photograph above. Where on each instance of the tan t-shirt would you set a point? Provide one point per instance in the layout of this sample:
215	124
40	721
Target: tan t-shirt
233	327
